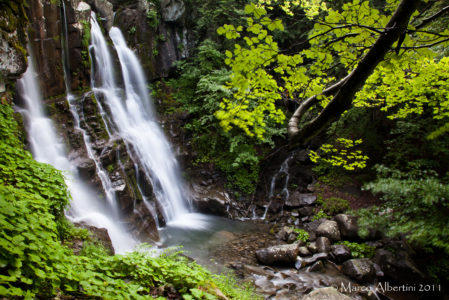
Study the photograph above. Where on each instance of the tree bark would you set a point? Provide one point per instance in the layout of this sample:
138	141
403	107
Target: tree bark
355	80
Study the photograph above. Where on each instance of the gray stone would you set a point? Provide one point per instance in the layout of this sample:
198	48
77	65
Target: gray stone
106	11
265	271
361	269
340	253
303	251
306	211
317	267
13	62
172	10
284	233
348	226
326	293
278	255
313	247
210	200
298	199
292	237
323	244
82	11
312	259
329	229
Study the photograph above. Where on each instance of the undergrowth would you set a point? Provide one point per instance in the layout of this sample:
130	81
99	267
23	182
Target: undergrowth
34	263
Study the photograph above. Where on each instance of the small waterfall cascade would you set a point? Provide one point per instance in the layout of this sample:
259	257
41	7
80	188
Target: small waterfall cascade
283	171
132	115
47	148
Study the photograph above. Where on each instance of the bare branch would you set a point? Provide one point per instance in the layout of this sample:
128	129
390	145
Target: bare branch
427	45
433	17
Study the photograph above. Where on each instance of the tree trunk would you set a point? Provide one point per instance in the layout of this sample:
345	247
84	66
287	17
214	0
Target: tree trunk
344	96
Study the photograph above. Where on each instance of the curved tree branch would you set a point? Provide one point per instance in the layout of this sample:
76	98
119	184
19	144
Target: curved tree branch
355	80
293	123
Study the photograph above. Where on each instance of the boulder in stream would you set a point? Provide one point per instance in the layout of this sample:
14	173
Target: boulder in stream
278	255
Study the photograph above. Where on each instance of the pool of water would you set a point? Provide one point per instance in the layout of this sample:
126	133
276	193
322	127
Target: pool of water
200	242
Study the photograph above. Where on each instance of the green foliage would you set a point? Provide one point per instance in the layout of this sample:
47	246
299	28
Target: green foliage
132	30
252	106
153	18
228	284
359	250
19	170
199	90
438	269
31	257
415	206
341	155
407	86
262	73
320	215
35	264
334	205
302	235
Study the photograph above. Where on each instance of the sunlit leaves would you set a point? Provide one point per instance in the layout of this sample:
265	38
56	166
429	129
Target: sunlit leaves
405	86
255	90
343	154
311	7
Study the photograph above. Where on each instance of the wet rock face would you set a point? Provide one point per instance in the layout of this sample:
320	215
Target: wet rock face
13	37
78	22
45	39
105	9
158	44
172	10
101	234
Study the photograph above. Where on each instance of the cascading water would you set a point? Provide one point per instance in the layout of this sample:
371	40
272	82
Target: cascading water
46	148
283	170
101	173
136	124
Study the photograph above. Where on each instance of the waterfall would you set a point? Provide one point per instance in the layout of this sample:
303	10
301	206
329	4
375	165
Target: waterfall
284	191
132	114
47	148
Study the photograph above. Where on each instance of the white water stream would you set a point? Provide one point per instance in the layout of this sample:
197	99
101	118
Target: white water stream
133	116
47	148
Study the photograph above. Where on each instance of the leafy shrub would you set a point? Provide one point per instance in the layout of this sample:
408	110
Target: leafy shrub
334	205
320	215
359	250
199	90
34	263
302	235
415	205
